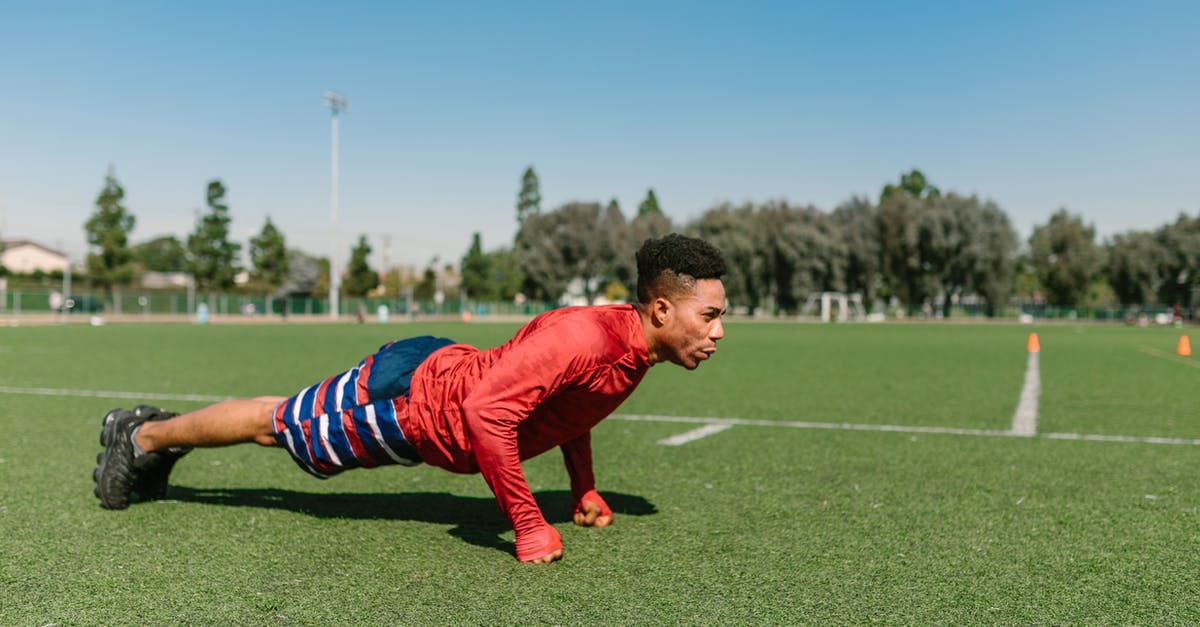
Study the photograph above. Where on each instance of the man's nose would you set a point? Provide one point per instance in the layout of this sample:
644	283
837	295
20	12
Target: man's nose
718	330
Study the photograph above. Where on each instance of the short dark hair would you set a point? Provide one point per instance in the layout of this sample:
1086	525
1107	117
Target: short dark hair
671	265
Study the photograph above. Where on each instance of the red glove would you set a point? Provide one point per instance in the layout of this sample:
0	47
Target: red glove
600	513
537	544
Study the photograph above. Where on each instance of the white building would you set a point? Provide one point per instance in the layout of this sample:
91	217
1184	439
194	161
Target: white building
160	280
22	256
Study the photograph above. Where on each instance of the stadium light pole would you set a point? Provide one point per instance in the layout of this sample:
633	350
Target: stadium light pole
337	104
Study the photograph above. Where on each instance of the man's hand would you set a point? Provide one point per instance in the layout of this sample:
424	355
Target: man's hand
592	511
546	559
540	546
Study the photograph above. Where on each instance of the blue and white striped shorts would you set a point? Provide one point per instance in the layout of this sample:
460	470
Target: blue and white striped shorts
350	419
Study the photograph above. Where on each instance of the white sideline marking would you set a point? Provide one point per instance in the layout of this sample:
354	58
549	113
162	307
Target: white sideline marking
1120	438
724	423
798	424
205	398
847	426
1024	420
1169	356
694	434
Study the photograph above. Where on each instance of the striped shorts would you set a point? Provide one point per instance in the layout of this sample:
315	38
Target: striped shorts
350	419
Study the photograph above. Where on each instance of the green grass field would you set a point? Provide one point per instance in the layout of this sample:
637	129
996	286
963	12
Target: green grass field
756	524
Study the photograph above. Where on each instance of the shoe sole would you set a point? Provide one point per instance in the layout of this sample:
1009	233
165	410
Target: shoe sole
108	431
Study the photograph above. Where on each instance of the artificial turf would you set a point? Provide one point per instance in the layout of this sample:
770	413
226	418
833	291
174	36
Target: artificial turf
752	525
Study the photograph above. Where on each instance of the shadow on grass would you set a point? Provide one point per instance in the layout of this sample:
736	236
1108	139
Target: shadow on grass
477	520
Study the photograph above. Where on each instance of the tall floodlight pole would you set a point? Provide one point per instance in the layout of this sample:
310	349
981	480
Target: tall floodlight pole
337	104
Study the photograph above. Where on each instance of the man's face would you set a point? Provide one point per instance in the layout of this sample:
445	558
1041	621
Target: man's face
691	332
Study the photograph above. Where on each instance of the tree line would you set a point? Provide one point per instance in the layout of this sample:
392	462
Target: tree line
208	254
914	246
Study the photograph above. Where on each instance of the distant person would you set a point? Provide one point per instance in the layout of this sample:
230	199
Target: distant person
457	407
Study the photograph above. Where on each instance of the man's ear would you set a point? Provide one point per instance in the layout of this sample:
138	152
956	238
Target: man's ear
660	310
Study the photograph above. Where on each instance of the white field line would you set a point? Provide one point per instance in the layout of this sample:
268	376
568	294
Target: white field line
795	424
1024	420
1169	356
1119	438
695	420
847	426
204	398
694	434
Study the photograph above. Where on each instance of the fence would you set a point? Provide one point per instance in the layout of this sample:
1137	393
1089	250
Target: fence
40	300
155	302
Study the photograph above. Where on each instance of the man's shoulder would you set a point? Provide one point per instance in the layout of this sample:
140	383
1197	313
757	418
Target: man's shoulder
606	337
601	318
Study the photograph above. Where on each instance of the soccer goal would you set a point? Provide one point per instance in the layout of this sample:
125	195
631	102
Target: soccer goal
837	306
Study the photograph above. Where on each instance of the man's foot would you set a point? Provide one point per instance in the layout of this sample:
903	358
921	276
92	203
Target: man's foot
114	473
153	469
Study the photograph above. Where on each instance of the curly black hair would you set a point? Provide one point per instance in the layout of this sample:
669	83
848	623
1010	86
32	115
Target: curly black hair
672	264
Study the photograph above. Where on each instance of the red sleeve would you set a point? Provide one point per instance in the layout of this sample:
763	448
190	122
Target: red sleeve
577	455
526	374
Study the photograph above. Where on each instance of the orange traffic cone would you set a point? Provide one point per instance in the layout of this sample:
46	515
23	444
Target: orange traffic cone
1032	346
1185	347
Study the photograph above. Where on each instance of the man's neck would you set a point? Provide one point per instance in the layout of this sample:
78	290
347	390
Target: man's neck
649	332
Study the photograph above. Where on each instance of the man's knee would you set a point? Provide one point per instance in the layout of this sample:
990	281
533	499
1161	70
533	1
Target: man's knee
266	416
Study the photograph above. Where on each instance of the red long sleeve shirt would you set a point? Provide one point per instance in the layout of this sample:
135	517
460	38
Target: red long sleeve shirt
485	411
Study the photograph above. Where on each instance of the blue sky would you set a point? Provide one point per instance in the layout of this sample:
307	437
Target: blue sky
1035	105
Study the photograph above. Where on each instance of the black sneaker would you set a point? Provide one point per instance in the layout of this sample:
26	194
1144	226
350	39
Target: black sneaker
153	469
114	474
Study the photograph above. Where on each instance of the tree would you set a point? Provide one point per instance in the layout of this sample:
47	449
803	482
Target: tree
109	266
321	287
427	286
543	270
529	199
554	248
1180	269
965	246
269	258
305	275
805	254
650	204
913	184
505	275
994	257
650	222
899	258
161	254
360	278
1025	282
1135	263
210	253
860	238
918	239
1065	257
476	272
620	268
741	237
584	249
